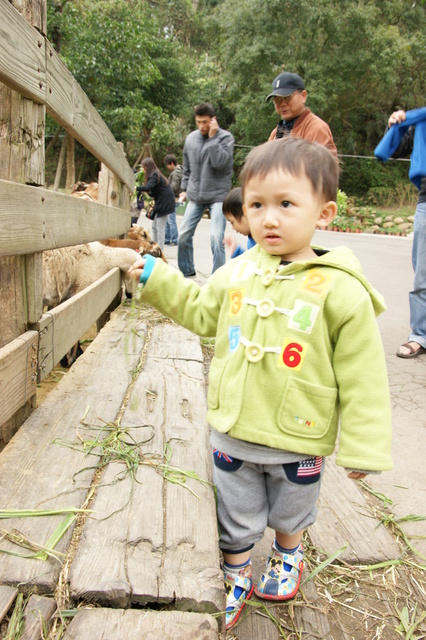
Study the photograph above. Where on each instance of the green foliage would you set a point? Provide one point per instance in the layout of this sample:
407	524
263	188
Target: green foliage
360	175
145	64
130	63
359	62
342	202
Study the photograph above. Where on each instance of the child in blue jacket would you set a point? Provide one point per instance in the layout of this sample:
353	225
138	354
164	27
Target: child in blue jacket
233	212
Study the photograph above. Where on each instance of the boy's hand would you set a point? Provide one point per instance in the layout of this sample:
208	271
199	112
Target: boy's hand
231	243
213	127
357	475
135	271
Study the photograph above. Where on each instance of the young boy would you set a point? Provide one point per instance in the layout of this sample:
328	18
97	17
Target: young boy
233	212
297	350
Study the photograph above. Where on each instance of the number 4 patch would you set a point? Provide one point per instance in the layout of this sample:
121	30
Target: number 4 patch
303	316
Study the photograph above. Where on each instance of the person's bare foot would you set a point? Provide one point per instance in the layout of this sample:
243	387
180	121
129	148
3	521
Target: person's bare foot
410	349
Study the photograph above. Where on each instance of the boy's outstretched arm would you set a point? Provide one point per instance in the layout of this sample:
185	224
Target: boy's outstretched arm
136	269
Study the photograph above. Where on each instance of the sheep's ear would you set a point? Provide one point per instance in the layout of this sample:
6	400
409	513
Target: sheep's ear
134	224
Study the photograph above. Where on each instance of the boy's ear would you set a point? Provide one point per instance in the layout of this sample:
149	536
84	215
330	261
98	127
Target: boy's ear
327	214
245	210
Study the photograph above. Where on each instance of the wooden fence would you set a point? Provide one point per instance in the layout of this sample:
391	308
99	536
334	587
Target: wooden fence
33	82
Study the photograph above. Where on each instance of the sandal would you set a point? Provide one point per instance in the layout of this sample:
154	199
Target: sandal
413	352
239	588
281	578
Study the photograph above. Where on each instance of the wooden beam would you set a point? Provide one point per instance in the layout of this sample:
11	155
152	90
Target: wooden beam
38	613
22	55
68	104
116	624
30	66
34	219
63	326
18	373
7	596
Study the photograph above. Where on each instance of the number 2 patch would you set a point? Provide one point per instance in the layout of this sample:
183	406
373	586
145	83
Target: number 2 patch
316	282
292	354
303	316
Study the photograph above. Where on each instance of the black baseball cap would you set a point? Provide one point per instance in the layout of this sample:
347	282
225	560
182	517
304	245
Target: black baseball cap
285	84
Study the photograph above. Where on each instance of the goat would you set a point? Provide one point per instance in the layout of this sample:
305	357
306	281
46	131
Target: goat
139	240
85	191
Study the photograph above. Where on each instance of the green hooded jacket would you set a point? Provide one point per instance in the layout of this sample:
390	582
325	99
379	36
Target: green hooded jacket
297	352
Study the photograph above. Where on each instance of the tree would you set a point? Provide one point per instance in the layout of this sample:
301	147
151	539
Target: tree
135	72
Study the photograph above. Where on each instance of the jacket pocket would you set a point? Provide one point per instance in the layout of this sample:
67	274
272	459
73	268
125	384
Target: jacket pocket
307	409
217	367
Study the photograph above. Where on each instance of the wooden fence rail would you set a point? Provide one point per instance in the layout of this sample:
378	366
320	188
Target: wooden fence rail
33	82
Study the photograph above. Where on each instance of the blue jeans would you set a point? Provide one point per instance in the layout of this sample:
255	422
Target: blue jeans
193	214
157	230
417	297
171	233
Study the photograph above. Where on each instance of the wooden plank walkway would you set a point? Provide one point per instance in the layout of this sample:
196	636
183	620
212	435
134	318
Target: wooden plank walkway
104	624
149	542
151	537
38	473
164	538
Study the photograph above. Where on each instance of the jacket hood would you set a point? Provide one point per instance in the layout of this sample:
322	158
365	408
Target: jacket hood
339	258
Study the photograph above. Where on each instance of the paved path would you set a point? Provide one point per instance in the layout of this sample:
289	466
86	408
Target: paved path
386	261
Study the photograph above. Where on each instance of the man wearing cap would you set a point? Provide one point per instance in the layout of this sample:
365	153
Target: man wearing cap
289	97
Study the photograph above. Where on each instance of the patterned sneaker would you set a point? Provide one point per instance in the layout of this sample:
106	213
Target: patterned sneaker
281	578
239	588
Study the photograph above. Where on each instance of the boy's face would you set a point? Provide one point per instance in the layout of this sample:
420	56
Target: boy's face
238	224
283	212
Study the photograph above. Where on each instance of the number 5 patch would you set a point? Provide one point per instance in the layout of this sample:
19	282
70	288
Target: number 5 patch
292	354
303	316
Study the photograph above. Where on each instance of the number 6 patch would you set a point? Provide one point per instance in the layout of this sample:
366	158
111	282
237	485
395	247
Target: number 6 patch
292	354
303	316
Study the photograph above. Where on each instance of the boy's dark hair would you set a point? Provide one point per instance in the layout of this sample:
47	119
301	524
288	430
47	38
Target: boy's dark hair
233	204
169	159
295	156
204	109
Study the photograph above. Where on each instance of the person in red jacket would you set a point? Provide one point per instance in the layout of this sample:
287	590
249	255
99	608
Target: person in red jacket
289	96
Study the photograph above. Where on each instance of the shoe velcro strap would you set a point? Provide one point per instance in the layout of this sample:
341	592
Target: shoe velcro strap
238	581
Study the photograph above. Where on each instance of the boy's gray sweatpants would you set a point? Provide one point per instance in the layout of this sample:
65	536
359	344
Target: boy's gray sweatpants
252	496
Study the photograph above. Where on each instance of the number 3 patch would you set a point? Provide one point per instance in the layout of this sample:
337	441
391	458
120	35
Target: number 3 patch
292	354
303	316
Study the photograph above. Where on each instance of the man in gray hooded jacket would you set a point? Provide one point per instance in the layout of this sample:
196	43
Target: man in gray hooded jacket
207	172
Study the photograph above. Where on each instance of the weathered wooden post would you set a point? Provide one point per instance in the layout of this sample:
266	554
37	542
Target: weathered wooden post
22	125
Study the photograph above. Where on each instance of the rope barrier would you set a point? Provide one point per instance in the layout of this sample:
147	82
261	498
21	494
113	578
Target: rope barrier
340	155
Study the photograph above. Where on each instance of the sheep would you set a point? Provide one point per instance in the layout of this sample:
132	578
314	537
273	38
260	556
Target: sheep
139	240
69	270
